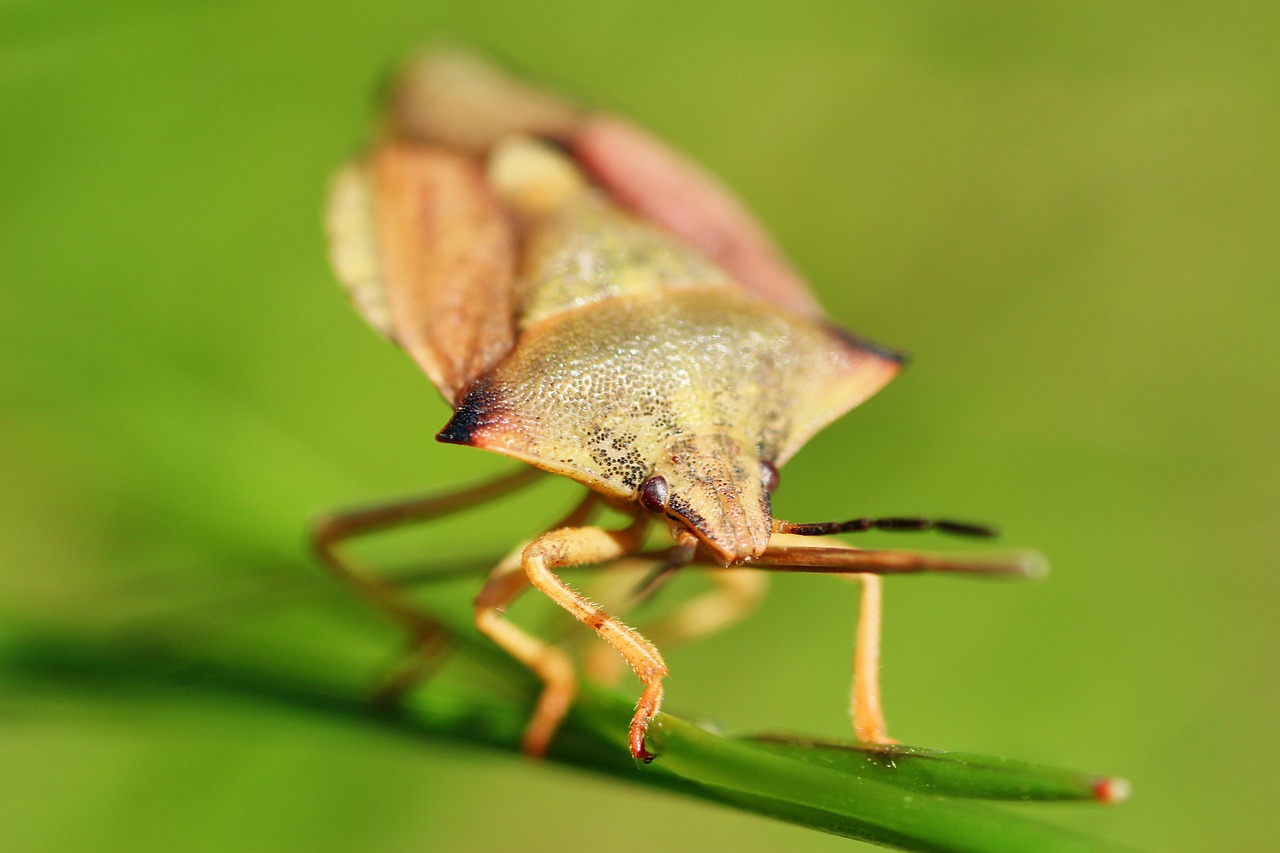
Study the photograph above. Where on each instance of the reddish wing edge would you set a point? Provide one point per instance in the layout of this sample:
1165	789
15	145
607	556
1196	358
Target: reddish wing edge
448	262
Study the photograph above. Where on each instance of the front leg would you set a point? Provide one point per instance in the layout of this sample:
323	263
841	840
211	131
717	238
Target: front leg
570	546
576	546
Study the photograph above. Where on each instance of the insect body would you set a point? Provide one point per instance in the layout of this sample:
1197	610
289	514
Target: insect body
684	377
594	305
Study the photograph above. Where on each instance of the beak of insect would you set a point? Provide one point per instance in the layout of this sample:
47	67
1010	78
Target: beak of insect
732	521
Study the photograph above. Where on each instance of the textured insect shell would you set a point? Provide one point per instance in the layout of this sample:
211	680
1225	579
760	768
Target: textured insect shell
455	98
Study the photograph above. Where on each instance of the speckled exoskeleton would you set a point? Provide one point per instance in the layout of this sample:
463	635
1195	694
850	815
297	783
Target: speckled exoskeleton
593	304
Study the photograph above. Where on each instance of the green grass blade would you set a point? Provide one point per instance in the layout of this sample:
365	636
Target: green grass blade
692	761
950	774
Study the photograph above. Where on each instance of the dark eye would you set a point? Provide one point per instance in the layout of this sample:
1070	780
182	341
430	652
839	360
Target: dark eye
769	475
653	494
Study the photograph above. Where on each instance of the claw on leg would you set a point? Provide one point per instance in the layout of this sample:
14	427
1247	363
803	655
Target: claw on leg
646	709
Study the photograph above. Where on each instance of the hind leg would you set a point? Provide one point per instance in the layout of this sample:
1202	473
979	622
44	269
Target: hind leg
428	639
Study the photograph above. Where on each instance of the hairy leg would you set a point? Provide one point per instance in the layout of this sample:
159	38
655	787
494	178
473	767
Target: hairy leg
735	594
558	549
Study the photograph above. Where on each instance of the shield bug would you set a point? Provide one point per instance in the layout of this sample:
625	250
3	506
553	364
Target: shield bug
593	304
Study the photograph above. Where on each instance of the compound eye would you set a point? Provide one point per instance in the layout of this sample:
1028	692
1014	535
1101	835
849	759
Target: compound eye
654	493
769	475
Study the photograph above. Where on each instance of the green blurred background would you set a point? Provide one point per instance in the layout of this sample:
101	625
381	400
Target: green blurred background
1068	214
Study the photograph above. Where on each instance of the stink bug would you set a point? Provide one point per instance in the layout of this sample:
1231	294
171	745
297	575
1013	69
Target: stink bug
595	305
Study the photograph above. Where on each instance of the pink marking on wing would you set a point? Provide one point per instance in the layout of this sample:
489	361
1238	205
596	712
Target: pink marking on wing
670	190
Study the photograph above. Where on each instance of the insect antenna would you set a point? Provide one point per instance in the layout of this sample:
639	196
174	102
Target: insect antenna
858	525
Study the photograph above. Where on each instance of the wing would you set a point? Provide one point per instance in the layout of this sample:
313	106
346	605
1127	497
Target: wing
428	254
417	236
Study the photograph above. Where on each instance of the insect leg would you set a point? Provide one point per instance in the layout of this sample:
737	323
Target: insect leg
414	574
835	557
570	547
735	595
428	637
677	558
504	585
865	706
550	663
864	698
